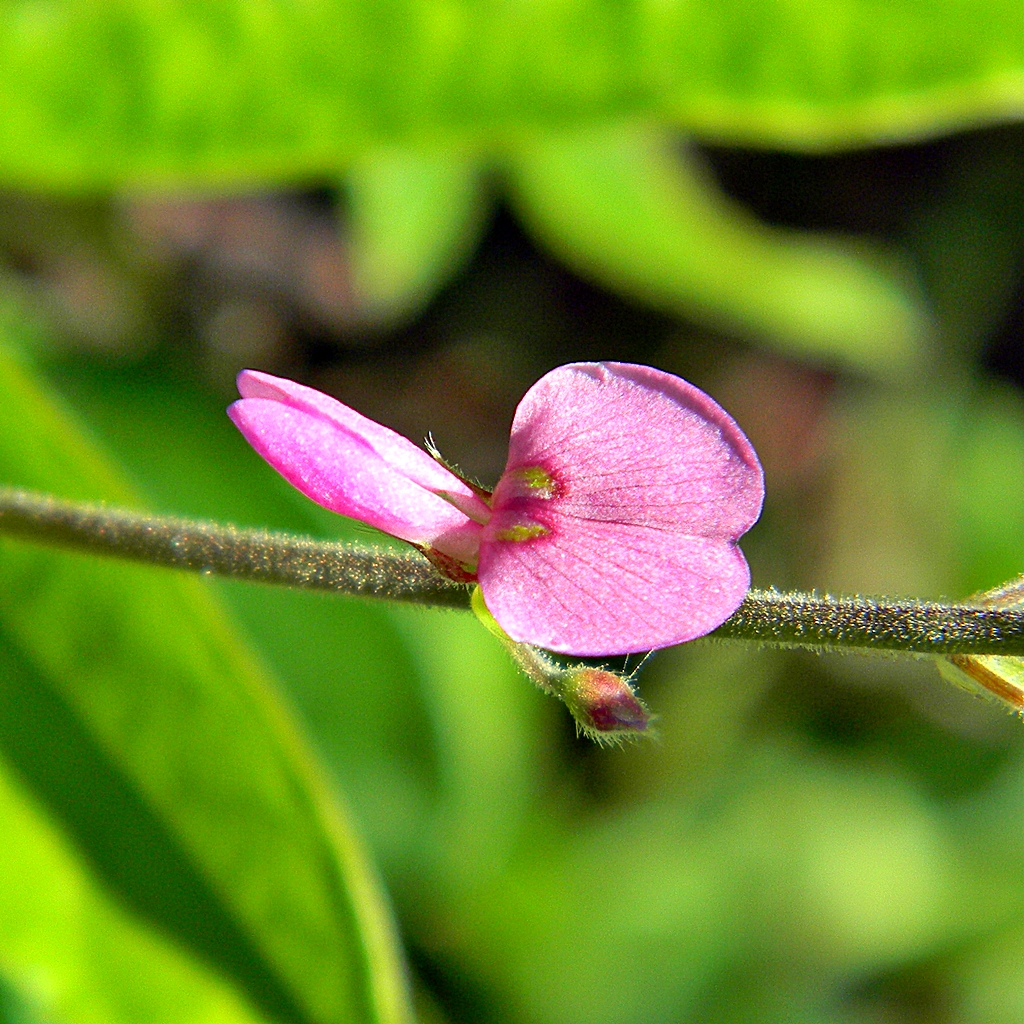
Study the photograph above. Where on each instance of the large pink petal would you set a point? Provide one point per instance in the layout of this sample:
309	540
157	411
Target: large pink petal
615	523
615	590
340	470
397	451
631	444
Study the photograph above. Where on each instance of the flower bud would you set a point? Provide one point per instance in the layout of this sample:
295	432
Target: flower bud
604	704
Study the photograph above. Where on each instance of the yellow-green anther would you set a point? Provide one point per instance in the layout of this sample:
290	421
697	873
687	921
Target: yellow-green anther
522	531
539	482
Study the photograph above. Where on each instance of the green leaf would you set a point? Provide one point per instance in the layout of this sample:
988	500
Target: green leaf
407	100
413	219
343	663
70	950
152	674
128	91
824	75
625	209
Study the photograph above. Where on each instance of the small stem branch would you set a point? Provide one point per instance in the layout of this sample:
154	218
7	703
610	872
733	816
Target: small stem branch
766	616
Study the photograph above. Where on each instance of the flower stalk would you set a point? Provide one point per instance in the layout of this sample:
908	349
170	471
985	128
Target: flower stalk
791	619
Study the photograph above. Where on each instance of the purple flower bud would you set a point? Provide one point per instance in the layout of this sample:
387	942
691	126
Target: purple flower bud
604	704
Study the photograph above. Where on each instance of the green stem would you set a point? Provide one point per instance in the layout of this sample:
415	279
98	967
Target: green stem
214	549
766	616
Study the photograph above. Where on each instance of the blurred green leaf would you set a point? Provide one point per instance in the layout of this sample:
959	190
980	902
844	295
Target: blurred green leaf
344	663
228	90
411	99
157	683
627	210
413	219
70	949
485	723
407	101
820	76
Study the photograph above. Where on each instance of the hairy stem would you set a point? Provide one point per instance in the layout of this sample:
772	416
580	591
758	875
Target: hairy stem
215	549
766	616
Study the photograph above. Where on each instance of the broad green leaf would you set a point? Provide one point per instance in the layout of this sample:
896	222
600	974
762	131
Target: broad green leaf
137	91
342	662
150	669
69	949
134	94
413	218
625	209
821	75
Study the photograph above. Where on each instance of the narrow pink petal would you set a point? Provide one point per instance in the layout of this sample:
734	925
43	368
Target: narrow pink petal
615	591
397	451
615	523
342	471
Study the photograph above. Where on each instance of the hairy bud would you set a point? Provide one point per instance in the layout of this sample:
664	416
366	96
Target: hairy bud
604	704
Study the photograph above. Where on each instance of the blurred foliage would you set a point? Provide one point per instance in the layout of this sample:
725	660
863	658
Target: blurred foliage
156	718
410	101
810	839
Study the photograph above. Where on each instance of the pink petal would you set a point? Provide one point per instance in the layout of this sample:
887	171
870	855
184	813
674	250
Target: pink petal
622	590
397	451
633	444
631	543
340	469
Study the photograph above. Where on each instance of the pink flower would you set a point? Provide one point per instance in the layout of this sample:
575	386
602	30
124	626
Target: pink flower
613	529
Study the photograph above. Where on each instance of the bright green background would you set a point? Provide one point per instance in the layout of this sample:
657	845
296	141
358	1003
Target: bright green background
202	783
